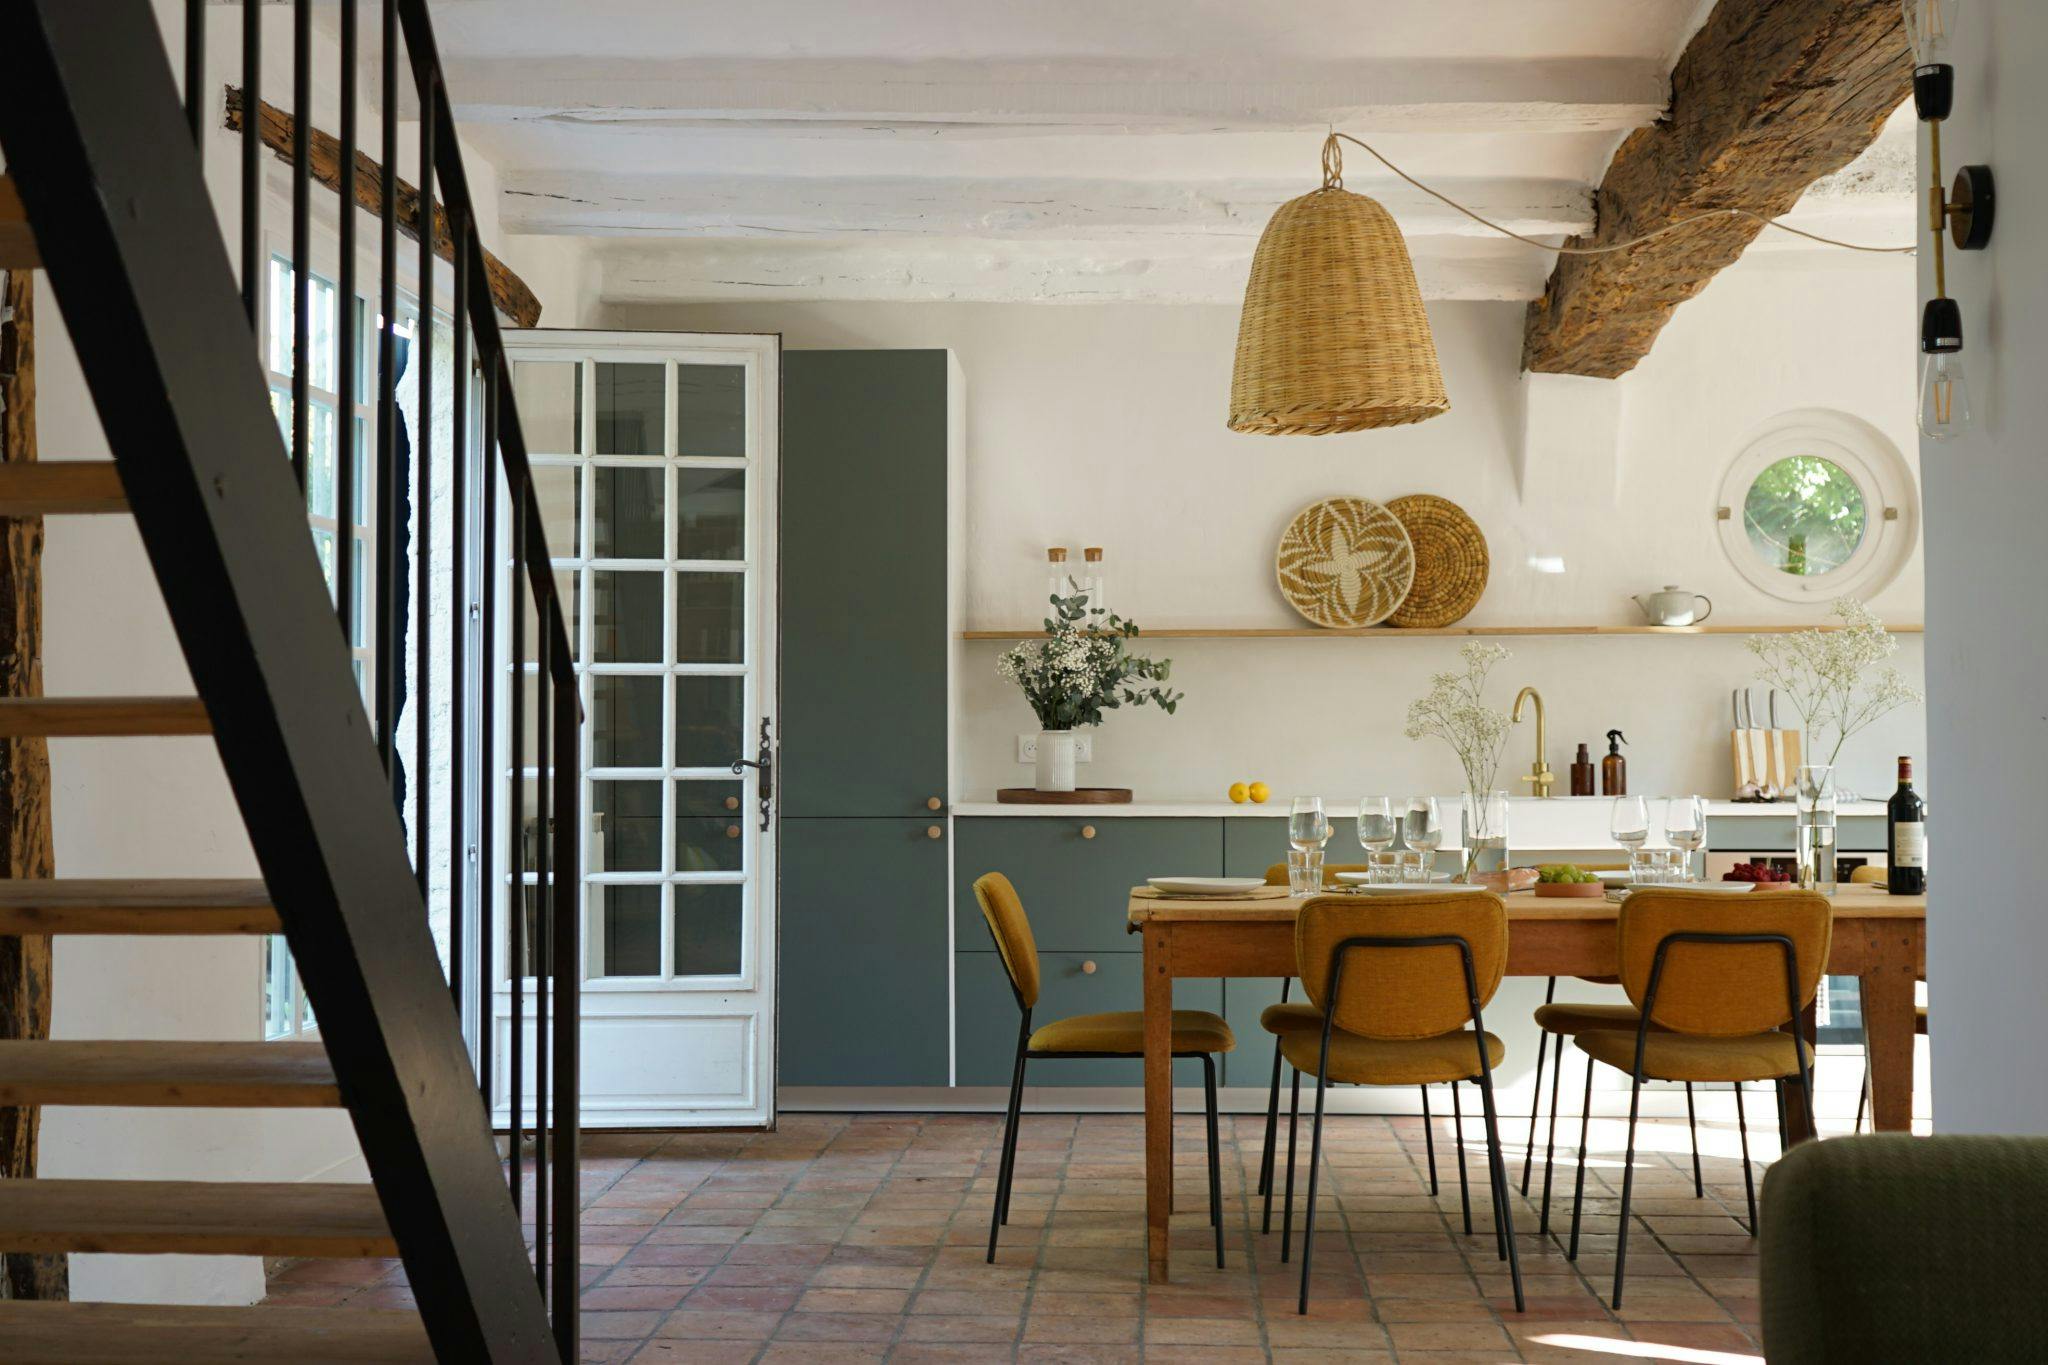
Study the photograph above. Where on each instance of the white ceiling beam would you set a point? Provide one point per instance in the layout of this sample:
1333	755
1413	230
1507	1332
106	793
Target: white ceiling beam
1011	97
995	272
598	203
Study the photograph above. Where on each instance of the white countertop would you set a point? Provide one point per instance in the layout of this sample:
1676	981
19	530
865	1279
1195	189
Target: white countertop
1593	809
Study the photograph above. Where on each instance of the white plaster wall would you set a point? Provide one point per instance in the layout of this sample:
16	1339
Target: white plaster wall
1987	936
1103	425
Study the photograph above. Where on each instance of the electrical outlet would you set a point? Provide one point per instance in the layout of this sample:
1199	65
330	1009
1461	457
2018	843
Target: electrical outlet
1027	748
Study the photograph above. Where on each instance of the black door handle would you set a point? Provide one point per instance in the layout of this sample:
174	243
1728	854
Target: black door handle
765	764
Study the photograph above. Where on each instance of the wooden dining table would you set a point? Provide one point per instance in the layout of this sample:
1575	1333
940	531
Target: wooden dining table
1879	938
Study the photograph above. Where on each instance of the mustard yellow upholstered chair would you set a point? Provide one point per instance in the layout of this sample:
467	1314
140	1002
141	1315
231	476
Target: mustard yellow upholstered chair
1292	1016
1196	1033
1867	875
1719	982
1395	981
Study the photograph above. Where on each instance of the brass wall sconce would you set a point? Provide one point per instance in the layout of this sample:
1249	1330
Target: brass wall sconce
1963	213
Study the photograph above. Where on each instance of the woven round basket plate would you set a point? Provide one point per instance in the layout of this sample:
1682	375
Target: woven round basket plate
1451	562
1345	562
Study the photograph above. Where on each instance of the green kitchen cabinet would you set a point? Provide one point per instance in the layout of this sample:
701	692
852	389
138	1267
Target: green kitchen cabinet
863	615
1244	999
1253	843
1070	984
1075	873
864	955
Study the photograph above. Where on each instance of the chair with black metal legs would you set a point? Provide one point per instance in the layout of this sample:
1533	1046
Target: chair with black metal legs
1721	983
1397	979
1196	1033
1288	1017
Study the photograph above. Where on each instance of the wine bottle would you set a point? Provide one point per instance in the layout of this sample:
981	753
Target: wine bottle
1905	838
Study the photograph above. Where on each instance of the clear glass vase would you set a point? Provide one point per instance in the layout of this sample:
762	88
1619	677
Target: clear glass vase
1814	828
1485	816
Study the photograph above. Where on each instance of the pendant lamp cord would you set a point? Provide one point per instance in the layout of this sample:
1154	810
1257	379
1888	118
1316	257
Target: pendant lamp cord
1333	179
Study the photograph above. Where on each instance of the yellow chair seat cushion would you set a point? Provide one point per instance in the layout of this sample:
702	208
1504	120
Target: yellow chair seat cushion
1123	1032
1692	1057
1570	1017
1390	1061
1291	1017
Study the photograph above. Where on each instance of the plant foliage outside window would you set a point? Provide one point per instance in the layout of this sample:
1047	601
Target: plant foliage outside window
1805	516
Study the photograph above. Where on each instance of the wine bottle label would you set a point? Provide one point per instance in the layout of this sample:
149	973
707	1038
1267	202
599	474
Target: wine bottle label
1909	844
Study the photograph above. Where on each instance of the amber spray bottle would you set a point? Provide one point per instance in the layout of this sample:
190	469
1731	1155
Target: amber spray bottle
1614	768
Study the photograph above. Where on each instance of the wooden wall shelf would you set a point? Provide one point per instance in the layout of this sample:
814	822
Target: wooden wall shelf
1392	632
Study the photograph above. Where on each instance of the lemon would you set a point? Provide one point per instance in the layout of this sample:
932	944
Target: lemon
1238	793
1260	791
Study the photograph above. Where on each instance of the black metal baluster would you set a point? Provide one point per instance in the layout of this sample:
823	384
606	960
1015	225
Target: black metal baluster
567	960
347	343
384	685
195	65
458	619
489	558
423	510
515	815
252	144
544	898
302	236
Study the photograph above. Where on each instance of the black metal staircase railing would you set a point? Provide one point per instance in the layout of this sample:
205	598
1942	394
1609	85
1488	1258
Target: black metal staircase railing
92	130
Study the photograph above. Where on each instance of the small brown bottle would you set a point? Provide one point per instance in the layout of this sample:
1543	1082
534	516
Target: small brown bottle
1582	773
1614	768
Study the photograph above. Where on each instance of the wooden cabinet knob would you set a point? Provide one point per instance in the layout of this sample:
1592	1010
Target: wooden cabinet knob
1087	831
1088	967
933	803
933	832
732	831
732	803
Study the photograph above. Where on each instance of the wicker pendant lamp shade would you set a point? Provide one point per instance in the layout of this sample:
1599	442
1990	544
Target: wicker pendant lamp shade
1333	336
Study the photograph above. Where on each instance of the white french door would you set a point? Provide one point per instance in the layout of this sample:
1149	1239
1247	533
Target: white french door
654	455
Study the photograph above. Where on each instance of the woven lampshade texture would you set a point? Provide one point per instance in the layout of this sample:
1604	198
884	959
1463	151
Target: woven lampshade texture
1333	336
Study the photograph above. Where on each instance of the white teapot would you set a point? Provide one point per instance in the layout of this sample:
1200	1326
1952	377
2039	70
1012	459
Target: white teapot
1674	606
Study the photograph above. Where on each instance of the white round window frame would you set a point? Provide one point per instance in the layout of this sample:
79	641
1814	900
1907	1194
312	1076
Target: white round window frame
1870	460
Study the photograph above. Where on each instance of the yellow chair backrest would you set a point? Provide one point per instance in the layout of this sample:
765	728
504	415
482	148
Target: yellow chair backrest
1402	992
1719	989
1006	920
1276	875
1868	875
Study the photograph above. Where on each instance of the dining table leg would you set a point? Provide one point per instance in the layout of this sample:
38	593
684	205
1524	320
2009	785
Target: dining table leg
1888	1026
1158	1004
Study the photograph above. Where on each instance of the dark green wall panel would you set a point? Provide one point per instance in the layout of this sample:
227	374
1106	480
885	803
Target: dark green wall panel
1076	890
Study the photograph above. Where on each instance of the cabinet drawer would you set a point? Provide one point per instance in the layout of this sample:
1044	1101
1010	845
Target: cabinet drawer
987	1017
1076	886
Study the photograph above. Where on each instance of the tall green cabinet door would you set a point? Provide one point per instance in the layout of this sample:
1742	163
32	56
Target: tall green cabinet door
864	956
864	616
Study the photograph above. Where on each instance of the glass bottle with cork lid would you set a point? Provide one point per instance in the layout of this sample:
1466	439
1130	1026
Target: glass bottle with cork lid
1059	577
1092	578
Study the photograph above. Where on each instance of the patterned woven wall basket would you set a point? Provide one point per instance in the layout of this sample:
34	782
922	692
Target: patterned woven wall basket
1451	562
1345	563
1333	336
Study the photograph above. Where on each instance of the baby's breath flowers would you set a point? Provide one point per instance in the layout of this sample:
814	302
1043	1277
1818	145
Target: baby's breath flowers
1083	668
1827	674
1455	711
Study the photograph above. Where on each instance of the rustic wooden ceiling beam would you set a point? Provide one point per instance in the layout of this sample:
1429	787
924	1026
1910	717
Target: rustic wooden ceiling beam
1769	96
508	292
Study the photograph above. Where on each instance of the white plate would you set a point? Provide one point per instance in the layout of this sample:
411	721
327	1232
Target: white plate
1205	886
1406	888
1726	888
1361	879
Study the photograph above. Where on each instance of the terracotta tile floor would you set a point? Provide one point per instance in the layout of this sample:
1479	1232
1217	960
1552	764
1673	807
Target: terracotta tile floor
861	1238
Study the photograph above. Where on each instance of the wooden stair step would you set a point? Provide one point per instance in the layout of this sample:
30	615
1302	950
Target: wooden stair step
185	1074
161	905
17	242
193	1217
61	487
43	1333
101	717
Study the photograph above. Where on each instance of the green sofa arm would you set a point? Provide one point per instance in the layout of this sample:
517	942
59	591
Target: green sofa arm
1897	1248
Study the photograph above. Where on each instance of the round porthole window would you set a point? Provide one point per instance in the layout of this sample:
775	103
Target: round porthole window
1818	505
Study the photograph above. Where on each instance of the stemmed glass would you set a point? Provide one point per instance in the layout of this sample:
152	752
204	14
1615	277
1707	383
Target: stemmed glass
1376	824
1422	829
1630	826
1307	826
1685	825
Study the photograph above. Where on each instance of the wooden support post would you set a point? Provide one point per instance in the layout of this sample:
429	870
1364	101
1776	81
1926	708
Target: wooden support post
25	965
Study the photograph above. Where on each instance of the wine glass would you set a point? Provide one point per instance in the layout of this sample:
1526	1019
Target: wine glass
1630	826
1376	824
1422	829
1685	825
1307	826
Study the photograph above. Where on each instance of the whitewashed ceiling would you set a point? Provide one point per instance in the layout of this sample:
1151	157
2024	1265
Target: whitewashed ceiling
1058	149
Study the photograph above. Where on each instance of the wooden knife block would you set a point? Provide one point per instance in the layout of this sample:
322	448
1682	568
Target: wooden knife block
1769	758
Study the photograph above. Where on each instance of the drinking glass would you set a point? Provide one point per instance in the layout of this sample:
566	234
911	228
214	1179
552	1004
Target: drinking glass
1307	826
1304	871
1685	825
1375	823
1417	866
1383	865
